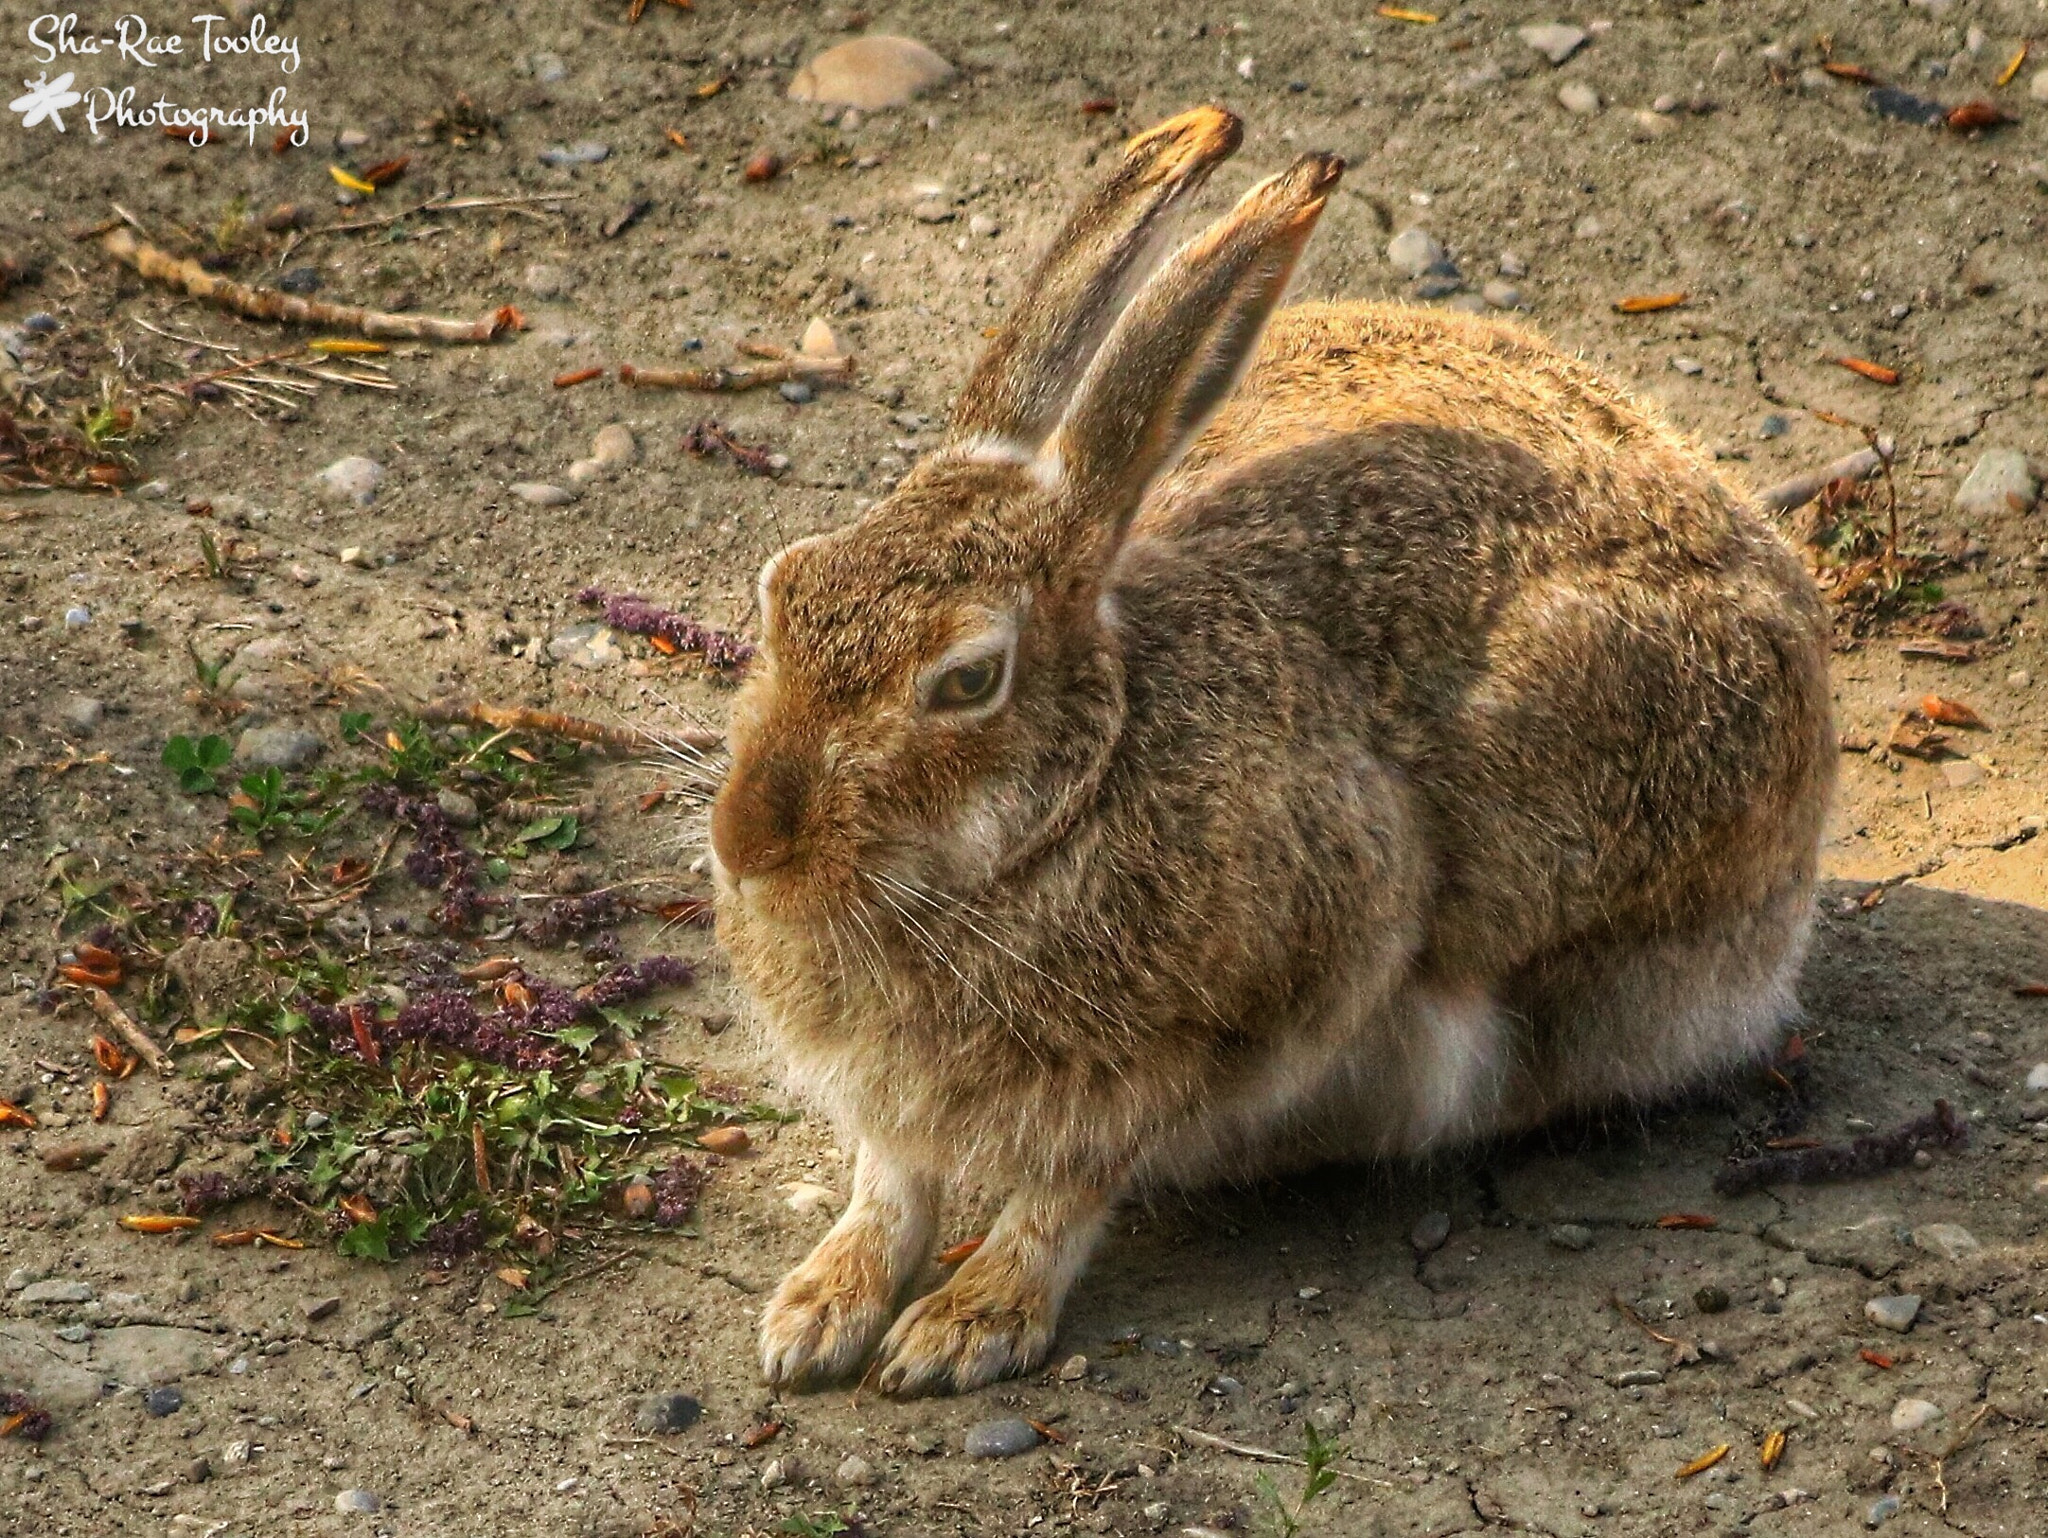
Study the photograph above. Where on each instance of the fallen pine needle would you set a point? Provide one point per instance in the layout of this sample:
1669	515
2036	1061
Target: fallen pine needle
156	1222
576	377
1773	1450
353	183
2031	991
1687	1220
12	1115
1703	1462
516	718
114	1015
1875	372
741	376
953	1254
270	304
1401	13
1647	304
345	345
1683	1352
1878	1360
1266	1455
1952	713
2012	66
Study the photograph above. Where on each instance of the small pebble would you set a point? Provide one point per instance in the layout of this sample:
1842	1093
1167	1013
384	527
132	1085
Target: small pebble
1951	1241
319	1308
585	152
159	1402
356	556
870	73
1711	1300
1004	1438
855	1470
544	280
1774	425
82	713
796	392
1501	294
354	479
1555	40
1413	252
1073	1369
775	1475
665	1414
1882	1511
982	226
1579	98
2037	1078
358	1503
300	280
542	493
1637	1377
762	166
278	747
932	211
1430	1233
460	809
77	617
1910	1415
1893	1312
1511	265
1999	483
1690	367
1571	1236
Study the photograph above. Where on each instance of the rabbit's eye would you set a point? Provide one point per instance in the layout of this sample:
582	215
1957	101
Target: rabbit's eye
970	684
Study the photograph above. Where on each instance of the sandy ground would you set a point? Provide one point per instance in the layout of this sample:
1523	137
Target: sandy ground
1478	1384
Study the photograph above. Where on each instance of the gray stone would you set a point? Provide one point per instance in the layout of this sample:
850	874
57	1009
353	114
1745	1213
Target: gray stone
49	1372
1430	1232
548	68
1637	1377
458	807
1950	1241
796	392
20	1277
1331	1416
1692	368
1074	1369
1413	252
1895	1311
1774	425
1579	99
1910	1415
1882	1511
358	1503
665	1414
77	617
354	479
316	1309
542	493
1571	1236
81	713
278	747
159	1402
588	645
1512	266
932	211
1961	773
1553	39
584	152
2037	1081
2000	482
56	1291
1004	1438
856	1471
983	226
1438	285
1501	294
147	1355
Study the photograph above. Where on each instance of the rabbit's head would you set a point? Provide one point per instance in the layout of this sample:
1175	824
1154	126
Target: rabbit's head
939	686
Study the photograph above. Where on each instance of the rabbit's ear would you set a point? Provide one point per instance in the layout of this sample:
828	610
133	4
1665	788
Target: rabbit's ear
1023	381
1176	353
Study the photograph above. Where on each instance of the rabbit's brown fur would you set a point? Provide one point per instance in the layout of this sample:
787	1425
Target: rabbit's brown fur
1433	745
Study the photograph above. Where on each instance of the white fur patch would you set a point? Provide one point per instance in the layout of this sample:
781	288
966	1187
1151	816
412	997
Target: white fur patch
991	449
1457	1068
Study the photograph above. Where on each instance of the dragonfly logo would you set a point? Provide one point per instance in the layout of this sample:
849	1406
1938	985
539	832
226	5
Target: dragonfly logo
46	98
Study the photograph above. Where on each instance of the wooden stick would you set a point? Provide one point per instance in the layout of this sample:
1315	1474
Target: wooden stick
1802	489
269	304
118	1018
740	376
517	718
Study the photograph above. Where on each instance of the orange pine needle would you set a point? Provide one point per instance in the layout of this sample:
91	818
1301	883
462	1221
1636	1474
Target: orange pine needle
1878	1360
1687	1220
1952	713
480	1157
1646	304
1773	1450
1402	13
157	1222
344	346
2012	66
12	1115
577	376
953	1254
1703	1462
102	1100
352	182
1876	372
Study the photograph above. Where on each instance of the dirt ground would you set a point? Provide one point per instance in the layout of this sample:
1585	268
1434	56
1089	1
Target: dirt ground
1478	1384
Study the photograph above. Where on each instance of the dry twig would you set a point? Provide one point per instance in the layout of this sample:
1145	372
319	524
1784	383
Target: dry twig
517	718
741	376
270	304
1802	489
119	1020
1266	1455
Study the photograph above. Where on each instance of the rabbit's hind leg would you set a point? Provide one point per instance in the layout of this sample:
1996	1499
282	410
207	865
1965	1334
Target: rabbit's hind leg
1611	1025
829	1310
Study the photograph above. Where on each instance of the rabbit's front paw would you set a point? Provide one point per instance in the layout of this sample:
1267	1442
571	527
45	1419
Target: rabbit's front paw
826	1314
963	1335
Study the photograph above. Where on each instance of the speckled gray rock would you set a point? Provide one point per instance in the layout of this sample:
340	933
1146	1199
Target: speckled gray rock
1910	1415
1413	252
1553	39
354	479
278	747
1578	98
159	1402
1501	294
2000	482
542	493
1004	1438
665	1414
81	713
56	1290
1951	1241
856	1471
1894	1312
358	1503
1571	1236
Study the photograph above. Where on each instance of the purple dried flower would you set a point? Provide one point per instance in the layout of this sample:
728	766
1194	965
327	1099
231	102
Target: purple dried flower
200	918
202	1193
636	616
567	916
452	1238
677	1188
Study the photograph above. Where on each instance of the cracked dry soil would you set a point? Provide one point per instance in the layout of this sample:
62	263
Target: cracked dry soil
1487	1384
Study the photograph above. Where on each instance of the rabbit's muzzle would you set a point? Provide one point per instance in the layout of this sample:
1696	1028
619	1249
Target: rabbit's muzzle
759	821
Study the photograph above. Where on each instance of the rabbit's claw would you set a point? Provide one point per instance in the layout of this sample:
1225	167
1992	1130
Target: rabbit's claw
963	1336
824	1316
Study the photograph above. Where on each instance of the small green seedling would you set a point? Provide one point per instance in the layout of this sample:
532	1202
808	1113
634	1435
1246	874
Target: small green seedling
197	763
1318	1454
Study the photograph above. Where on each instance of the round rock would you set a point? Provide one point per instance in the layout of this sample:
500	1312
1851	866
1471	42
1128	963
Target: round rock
1413	252
354	479
159	1402
1571	1236
1580	98
2000	482
1895	1312
1910	1415
358	1503
1430	1232
81	713
1004	1438
278	747
870	73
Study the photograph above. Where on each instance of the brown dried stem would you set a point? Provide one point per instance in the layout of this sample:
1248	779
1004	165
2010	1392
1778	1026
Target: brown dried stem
119	1020
1802	489
269	304
741	376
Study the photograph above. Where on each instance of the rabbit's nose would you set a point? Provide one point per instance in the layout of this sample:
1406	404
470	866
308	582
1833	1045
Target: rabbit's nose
756	820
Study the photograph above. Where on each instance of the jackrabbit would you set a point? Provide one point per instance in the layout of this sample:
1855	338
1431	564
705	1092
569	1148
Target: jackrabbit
1247	745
